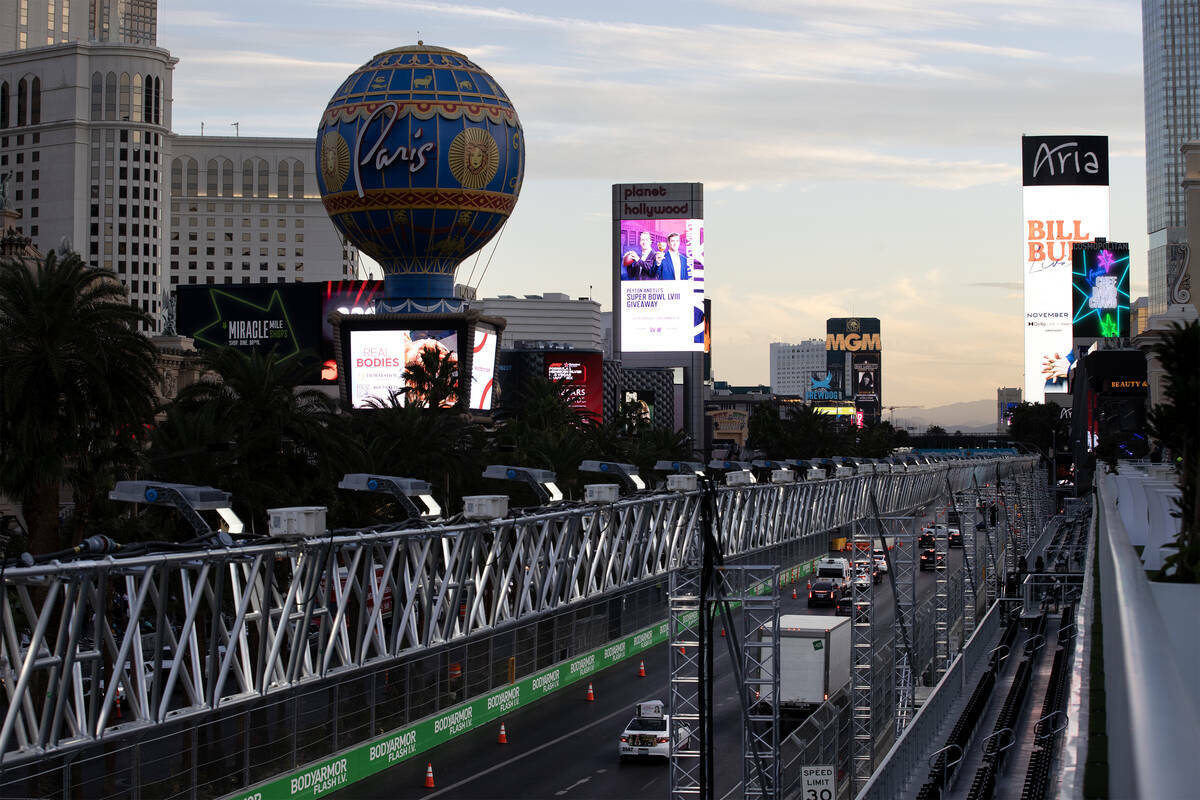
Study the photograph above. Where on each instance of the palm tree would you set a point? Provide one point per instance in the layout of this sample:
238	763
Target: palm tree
76	375
431	381
248	429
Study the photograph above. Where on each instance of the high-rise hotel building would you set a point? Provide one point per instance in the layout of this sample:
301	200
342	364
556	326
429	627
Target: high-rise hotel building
1171	76
88	160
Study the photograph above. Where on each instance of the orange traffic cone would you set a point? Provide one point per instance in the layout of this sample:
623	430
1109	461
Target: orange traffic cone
118	708
503	735
429	776
793	594
641	669
591	696
683	650
722	633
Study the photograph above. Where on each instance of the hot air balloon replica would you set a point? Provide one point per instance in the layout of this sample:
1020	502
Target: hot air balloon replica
421	158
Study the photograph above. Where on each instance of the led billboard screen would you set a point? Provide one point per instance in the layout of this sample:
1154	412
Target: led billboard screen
1065	200
582	376
290	319
378	357
277	318
483	368
345	297
866	377
660	268
1100	290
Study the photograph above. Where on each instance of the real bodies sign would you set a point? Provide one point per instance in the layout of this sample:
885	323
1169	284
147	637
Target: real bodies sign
1065	199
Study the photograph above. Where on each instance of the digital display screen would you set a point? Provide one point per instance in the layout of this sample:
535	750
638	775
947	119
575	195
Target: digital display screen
345	297
483	368
378	358
660	268
1065	199
866	376
289	319
642	402
1100	290
582	376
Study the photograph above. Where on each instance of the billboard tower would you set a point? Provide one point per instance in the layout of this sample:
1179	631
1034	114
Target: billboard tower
854	361
658	288
1065	200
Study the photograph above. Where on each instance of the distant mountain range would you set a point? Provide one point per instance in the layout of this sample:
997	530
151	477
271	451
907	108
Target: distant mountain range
975	416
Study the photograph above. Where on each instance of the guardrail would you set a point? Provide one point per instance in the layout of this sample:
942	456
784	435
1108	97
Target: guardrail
1151	712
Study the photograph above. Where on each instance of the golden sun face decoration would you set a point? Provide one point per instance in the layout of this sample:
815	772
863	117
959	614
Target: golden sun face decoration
473	158
335	161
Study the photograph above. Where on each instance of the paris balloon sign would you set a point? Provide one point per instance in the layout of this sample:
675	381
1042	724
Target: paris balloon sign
421	158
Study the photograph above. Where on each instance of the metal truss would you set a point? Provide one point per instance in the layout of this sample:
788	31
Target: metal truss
941	599
684	687
99	648
902	570
760	676
862	648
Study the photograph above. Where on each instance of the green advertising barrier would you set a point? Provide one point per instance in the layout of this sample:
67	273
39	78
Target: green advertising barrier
362	761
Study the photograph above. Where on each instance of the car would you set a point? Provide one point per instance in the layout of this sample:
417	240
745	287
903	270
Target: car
867	564
824	592
880	557
954	537
863	580
930	559
648	735
926	538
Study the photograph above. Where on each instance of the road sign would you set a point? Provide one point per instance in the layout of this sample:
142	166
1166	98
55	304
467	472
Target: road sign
818	783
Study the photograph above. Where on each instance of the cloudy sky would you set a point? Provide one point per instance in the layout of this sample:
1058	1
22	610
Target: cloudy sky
859	156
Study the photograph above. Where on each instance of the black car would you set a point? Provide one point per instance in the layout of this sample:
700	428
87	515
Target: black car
955	538
824	592
925	539
930	558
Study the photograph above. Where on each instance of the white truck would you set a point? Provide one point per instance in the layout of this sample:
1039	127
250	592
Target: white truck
814	655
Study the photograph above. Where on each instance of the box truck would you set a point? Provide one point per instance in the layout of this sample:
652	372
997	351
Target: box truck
814	655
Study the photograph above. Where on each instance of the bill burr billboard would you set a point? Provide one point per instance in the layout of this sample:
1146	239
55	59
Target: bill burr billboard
659	271
1065	200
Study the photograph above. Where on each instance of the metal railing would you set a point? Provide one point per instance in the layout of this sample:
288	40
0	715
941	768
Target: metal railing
923	735
1151	709
92	650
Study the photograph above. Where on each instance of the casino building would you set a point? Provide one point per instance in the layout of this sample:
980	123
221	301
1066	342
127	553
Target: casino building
88	155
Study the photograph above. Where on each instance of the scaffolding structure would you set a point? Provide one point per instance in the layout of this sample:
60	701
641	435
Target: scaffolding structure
941	595
902	575
862	657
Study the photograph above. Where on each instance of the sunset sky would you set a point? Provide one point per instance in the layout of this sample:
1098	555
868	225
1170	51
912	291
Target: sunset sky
860	157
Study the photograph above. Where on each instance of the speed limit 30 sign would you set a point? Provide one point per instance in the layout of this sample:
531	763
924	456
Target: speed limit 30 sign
818	783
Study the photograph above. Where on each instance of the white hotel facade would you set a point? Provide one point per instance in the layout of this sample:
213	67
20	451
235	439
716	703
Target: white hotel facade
90	163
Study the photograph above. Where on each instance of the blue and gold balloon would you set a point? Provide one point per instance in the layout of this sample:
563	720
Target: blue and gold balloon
421	160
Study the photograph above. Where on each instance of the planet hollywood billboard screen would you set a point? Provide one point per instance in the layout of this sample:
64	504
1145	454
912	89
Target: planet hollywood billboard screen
1100	290
1065	198
659	267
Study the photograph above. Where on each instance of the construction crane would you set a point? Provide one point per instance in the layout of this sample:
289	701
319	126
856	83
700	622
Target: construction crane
893	410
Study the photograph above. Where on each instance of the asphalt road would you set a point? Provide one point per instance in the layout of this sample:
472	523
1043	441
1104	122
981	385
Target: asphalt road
566	747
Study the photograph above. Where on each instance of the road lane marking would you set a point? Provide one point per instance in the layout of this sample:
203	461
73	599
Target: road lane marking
561	792
528	753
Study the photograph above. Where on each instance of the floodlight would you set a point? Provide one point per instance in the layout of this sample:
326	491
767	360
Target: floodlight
540	480
189	500
628	473
679	466
402	489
